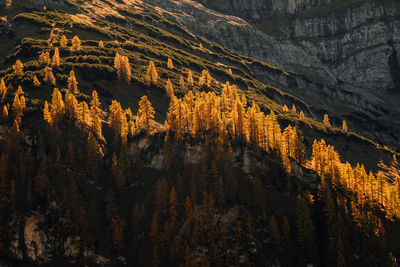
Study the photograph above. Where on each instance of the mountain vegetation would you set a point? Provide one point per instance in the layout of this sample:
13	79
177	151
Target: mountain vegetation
124	144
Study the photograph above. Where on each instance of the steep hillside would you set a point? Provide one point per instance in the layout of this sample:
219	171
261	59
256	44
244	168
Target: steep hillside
129	138
343	55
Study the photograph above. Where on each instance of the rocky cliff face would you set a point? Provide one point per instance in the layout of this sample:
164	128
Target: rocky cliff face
343	55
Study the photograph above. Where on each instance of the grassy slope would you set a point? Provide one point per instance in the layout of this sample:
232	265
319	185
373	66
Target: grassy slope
142	36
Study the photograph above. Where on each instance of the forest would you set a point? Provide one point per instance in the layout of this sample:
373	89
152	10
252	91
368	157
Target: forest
219	183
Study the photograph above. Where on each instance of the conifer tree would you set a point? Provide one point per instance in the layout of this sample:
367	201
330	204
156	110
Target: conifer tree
3	87
126	69
118	64
305	227
36	82
302	116
170	65
190	79
18	68
205	79
72	83
56	58
145	115
63	41
294	108
101	44
44	58
57	106
182	84
46	113
285	108
5	112
115	117
48	76
344	126
151	74
274	230
169	88
326	121
76	44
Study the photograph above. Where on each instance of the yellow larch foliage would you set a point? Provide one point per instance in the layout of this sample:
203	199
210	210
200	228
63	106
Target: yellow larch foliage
344	126
63	41
301	115
36	82
326	121
101	44
285	108
44	58
115	117
151	74
205	79
76	44
145	115
71	105
72	83
182	84
18	68
170	65
118	64
46	113
3	87
169	88
294	108
57	106
56	58
5	112
190	79
49	76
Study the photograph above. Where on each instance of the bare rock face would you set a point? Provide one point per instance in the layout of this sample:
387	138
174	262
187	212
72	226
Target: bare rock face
343	56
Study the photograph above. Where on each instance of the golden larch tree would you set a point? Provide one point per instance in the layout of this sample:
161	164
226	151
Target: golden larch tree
56	58
72	83
182	84
151	74
145	114
301	115
117	64
44	58
285	108
5	112
294	108
3	87
101	44
57	106
76	44
190	79
18	68
326	121
36	82
46	113
49	76
344	126
126	69
170	65
205	79
63	41
169	88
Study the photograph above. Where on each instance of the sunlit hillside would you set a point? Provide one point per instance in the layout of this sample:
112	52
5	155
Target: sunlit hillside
127	139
